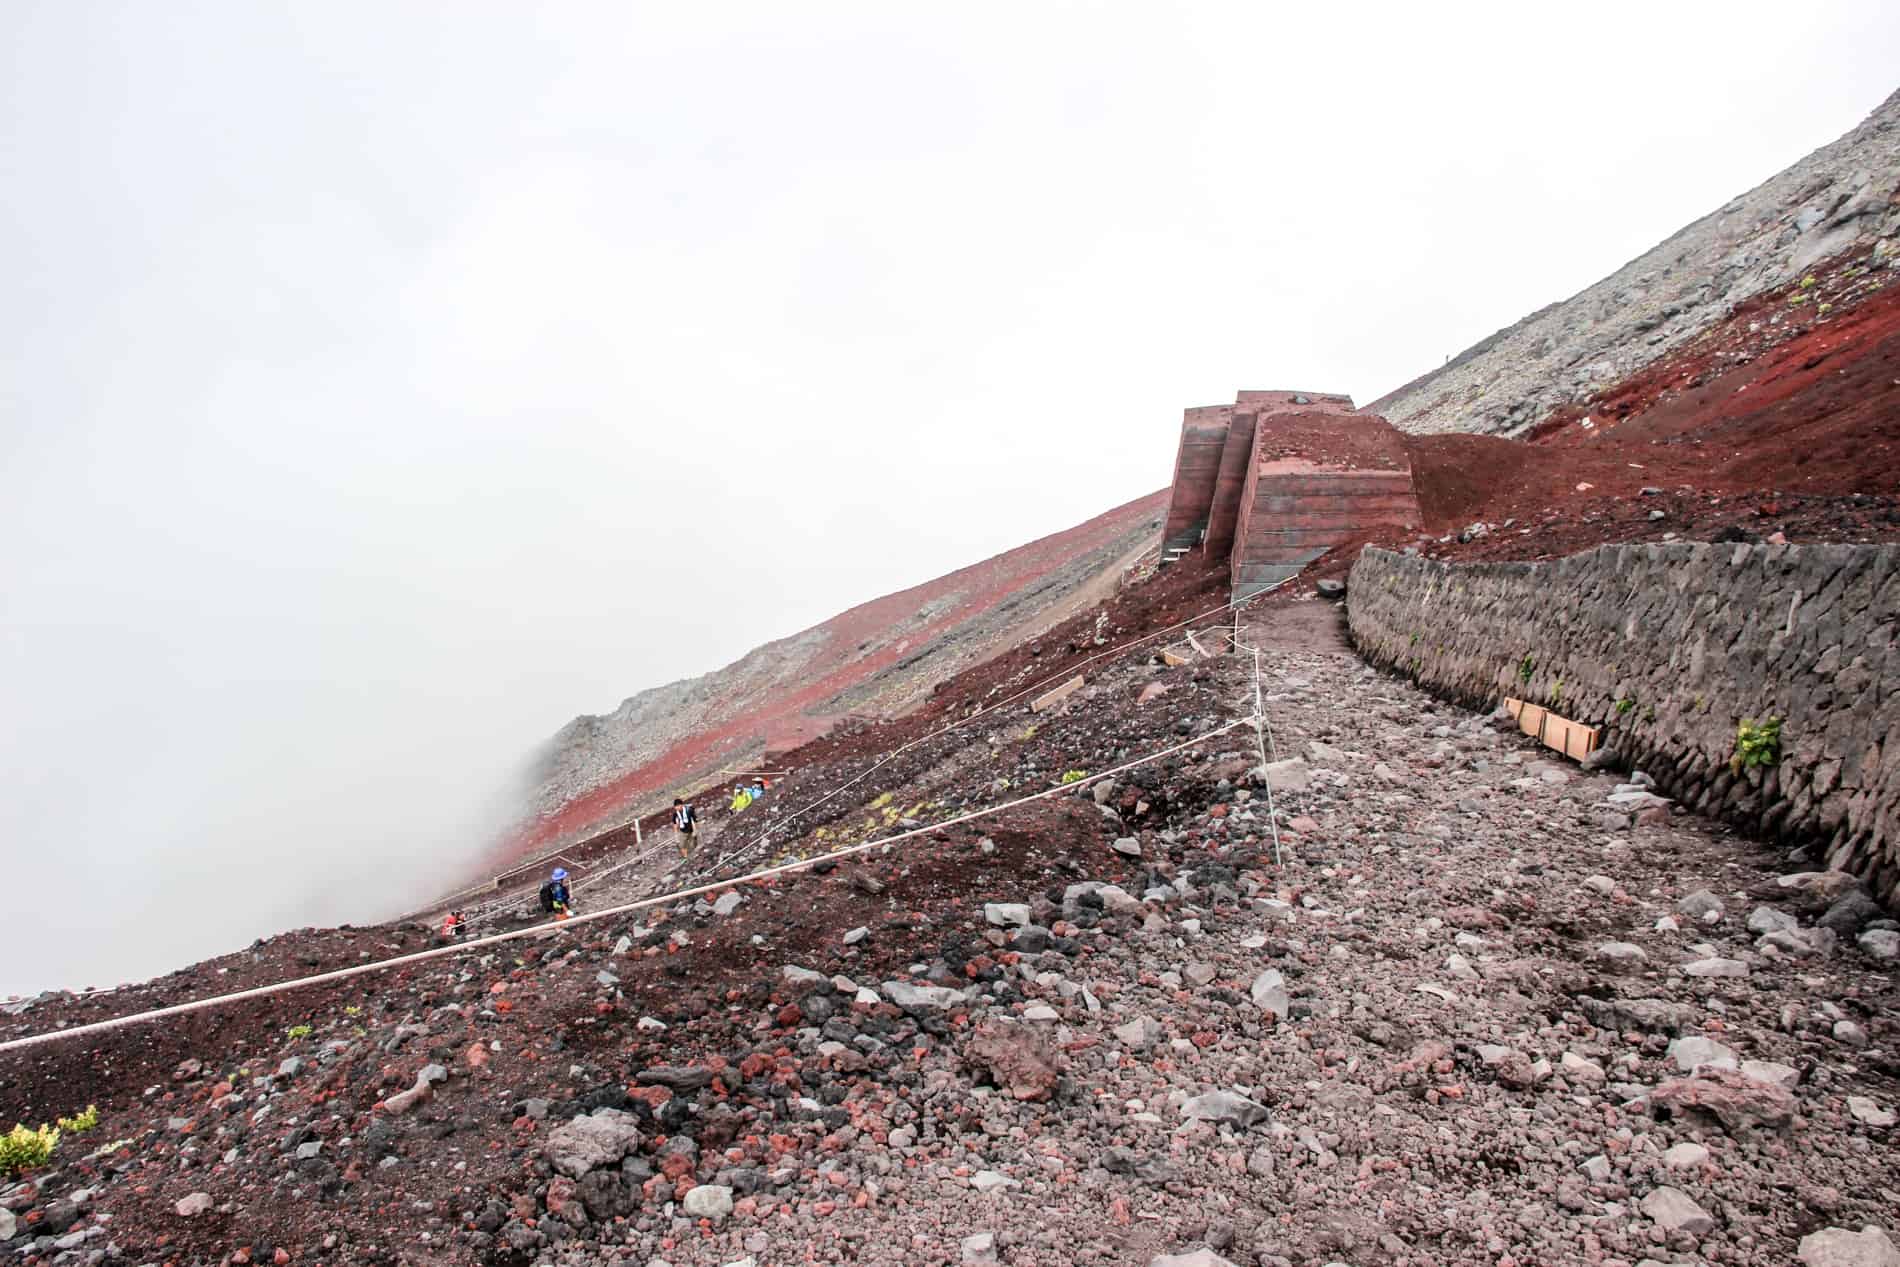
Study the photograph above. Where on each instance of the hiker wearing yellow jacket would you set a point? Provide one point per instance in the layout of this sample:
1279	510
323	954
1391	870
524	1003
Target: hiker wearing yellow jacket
741	797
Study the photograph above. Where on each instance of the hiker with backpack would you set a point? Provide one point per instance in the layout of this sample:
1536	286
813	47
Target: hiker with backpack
686	823
555	897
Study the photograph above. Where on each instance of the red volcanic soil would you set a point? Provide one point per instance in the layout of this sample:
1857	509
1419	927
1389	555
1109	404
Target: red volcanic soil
1188	589
784	718
1782	419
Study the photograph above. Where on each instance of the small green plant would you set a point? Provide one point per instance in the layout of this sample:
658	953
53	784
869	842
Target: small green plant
80	1123
23	1149
1807	281
298	1031
1524	668
1649	712
1557	693
1798	298
1756	745
1070	776
352	1010
1624	705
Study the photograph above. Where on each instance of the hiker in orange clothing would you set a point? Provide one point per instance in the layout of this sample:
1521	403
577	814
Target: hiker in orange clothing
453	926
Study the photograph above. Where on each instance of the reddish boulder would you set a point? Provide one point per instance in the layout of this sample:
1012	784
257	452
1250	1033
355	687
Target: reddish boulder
1019	1058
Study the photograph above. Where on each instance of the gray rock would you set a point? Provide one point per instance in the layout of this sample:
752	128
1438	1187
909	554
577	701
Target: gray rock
1127	846
1850	913
1838	1247
290	1068
1291	775
606	978
1230	1107
601	1138
1880	943
1702	906
1138	1034
1006	914
1850	1032
1330	588
1715	968
1684	1156
675	1077
1693	1052
918	997
195	1204
1270	994
728	902
1766	919
8	1224
980	1250
1771	1071
1673	1211
1621	954
856	935
708	1201
1194	1258
1578	1069
1867	1112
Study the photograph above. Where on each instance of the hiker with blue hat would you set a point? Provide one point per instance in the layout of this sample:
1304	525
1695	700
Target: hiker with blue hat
555	896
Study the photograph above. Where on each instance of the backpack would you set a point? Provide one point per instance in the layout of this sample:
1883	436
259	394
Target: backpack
547	896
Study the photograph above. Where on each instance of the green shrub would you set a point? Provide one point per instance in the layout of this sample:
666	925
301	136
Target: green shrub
1524	667
298	1031
23	1149
1624	705
81	1123
1072	776
1756	746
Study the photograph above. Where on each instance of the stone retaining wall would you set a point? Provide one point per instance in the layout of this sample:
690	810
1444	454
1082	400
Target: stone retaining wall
1669	647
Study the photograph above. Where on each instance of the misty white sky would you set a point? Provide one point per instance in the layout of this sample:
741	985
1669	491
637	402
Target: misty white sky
381	385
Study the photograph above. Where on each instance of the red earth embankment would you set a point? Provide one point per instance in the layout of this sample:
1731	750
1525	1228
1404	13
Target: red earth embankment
944	626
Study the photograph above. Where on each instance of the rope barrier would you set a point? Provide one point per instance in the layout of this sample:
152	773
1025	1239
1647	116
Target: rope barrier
1233	605
753	847
546	930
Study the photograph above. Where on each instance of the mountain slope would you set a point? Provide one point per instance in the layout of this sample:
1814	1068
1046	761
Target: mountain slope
878	658
1840	199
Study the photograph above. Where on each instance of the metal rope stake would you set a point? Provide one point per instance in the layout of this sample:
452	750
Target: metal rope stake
1260	740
